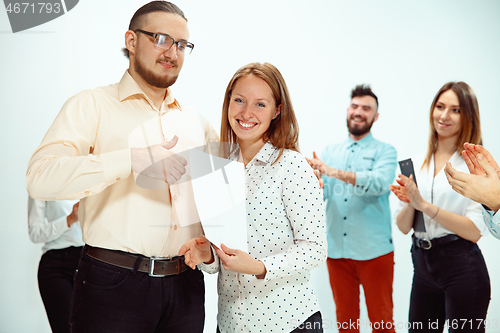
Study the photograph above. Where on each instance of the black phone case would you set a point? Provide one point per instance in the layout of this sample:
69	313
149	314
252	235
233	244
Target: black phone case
406	167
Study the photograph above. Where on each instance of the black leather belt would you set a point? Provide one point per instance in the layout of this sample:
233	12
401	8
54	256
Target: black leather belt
427	244
156	267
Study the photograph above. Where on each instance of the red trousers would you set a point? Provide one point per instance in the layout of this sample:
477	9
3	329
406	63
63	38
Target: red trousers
376	277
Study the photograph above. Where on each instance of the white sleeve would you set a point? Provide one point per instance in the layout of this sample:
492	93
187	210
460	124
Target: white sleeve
40	229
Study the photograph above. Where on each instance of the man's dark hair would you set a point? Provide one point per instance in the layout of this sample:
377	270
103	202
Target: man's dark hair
139	17
363	90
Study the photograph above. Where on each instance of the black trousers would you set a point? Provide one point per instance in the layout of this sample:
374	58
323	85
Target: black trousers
56	272
111	299
450	282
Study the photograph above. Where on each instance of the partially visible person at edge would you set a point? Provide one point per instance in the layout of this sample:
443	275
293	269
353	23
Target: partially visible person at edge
268	289
55	223
450	280
482	185
357	173
130	278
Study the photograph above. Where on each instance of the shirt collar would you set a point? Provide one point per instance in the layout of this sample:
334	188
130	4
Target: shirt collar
362	143
129	87
265	153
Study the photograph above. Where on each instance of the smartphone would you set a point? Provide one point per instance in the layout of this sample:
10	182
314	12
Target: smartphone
406	167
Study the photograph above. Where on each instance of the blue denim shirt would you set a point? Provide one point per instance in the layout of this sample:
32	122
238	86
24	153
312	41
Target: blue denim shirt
492	221
359	217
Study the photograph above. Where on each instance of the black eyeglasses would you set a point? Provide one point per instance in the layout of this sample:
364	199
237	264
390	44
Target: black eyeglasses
165	42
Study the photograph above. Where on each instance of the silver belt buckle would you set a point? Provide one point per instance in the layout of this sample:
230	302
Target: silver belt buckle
152	266
429	244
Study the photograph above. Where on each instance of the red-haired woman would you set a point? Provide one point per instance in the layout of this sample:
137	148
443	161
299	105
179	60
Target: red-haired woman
268	289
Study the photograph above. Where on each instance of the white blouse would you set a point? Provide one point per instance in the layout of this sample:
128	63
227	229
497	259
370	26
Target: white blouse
438	191
47	224
287	232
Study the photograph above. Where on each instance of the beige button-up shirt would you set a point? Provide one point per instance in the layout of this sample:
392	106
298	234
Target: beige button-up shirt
86	155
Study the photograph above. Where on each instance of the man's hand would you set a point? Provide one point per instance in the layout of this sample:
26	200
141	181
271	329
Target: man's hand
158	162
319	167
196	251
317	173
240	262
480	187
317	164
73	217
470	155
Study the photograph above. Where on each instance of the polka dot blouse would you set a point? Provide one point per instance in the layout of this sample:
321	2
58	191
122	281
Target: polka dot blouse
286	231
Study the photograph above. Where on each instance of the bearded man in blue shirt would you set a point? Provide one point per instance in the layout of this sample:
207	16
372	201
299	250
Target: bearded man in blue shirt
357	174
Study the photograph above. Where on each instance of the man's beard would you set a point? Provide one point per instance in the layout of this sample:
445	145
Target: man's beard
151	78
360	130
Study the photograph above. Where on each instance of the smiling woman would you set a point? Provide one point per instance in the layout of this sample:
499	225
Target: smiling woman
446	115
269	93
268	288
286	231
450	280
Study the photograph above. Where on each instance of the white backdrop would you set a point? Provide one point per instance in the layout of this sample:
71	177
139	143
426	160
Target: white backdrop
405	50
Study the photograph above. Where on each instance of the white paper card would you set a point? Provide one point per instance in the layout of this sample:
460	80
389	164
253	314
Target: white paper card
220	200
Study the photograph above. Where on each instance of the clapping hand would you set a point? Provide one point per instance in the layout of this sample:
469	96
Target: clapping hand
471	153
407	191
483	183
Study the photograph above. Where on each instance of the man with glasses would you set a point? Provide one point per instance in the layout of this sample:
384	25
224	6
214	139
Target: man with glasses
129	278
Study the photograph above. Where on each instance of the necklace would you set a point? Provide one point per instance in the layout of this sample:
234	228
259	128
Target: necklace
433	176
